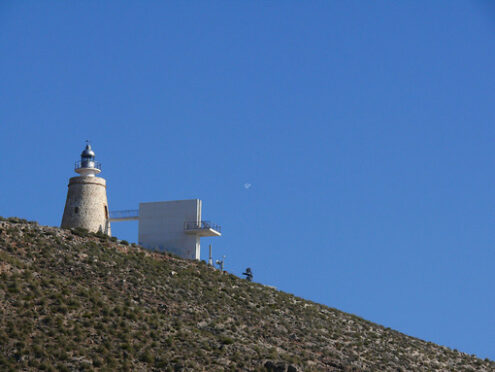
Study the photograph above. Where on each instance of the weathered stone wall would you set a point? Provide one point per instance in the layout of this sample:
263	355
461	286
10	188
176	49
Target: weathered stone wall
87	205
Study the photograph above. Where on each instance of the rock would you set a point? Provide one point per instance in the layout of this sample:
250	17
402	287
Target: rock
278	367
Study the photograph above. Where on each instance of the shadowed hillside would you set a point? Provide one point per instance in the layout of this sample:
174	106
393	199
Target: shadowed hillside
73	301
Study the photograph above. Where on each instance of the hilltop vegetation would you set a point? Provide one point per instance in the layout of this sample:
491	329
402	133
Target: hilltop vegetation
73	301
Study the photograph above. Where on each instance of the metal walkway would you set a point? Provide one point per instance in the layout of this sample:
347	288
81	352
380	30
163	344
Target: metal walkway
128	215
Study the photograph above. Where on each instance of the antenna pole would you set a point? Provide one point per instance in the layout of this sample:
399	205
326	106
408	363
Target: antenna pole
210	259
221	263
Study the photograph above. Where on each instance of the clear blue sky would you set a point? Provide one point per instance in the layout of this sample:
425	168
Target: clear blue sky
366	130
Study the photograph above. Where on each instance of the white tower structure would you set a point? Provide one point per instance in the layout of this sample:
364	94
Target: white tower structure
87	204
174	226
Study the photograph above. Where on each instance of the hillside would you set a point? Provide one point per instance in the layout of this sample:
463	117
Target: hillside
73	301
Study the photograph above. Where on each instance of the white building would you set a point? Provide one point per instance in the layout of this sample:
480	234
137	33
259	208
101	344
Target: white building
173	226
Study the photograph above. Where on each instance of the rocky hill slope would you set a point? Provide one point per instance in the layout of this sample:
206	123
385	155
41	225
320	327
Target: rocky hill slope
73	301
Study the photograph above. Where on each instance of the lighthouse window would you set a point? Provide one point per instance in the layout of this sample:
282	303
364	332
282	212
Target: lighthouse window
106	212
76	210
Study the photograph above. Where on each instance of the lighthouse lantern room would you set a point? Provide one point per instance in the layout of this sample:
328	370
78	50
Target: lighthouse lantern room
87	166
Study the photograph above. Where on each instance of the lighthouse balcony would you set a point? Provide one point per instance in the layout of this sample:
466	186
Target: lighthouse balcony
202	228
87	164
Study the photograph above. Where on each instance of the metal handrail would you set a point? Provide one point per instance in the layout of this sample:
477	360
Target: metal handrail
87	164
201	225
130	213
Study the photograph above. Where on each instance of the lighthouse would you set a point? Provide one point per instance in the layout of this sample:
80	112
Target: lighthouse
87	204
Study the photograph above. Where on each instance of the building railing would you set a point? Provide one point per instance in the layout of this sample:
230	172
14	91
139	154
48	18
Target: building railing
127	214
87	164
201	225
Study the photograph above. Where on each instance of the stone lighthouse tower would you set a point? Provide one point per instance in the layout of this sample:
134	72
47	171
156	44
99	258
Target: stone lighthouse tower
86	204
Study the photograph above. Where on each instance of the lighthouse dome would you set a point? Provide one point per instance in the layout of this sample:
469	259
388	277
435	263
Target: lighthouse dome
88	152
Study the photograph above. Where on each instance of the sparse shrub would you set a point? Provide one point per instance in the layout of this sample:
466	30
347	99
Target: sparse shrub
146	357
16	220
80	231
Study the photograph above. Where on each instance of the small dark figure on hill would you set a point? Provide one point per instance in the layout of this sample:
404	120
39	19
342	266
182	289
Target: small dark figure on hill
248	274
